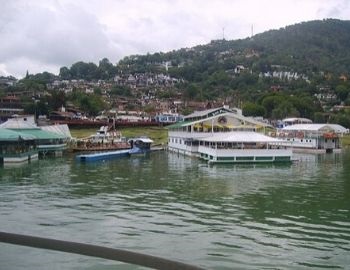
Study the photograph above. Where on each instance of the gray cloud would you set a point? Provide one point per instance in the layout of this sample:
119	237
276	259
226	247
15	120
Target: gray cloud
44	35
51	36
335	9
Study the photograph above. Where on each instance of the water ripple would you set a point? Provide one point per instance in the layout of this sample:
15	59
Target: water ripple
219	217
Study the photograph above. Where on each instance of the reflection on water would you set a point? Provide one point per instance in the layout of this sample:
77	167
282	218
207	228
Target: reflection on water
285	216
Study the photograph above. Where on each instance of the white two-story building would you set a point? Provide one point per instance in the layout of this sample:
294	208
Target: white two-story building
225	135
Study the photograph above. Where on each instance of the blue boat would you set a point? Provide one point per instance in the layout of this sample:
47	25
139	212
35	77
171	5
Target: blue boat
140	145
103	155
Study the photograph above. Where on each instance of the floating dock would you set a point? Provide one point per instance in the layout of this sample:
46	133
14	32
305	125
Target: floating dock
103	155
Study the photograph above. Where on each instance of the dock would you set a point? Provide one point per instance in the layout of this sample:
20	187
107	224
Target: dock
110	154
103	155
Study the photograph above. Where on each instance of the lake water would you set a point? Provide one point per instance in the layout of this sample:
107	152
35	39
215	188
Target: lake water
293	216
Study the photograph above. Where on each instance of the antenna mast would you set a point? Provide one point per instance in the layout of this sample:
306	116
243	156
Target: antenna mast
223	33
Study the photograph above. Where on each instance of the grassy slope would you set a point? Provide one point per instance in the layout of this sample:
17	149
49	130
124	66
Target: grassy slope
158	134
346	140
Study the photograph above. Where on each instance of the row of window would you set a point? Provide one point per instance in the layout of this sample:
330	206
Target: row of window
302	140
175	140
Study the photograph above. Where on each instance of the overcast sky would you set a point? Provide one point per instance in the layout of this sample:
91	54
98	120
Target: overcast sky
44	35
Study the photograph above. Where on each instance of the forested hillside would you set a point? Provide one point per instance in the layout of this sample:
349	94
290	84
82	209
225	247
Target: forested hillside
311	51
299	70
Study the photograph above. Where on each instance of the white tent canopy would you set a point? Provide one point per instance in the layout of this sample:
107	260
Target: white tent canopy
240	136
316	127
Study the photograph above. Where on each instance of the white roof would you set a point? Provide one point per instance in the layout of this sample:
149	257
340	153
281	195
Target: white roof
316	127
239	136
59	129
18	123
196	114
292	119
145	140
227	114
200	113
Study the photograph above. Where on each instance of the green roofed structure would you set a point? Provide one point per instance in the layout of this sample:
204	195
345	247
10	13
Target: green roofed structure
16	147
46	141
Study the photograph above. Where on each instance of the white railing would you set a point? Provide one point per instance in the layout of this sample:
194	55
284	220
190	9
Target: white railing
194	135
244	152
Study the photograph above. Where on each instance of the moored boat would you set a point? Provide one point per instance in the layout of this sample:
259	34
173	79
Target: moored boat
103	140
140	145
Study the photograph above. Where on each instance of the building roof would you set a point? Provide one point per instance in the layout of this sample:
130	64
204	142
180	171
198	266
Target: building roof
58	129
40	134
180	124
199	114
62	114
17	123
240	117
28	126
317	127
239	136
10	135
297	119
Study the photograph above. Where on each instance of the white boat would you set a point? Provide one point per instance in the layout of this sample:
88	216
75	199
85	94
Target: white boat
103	135
103	140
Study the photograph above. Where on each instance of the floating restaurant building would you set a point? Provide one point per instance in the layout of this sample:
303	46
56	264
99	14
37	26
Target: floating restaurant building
16	147
49	141
224	135
318	138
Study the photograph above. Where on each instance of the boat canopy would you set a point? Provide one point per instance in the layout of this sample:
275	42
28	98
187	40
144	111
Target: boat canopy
144	140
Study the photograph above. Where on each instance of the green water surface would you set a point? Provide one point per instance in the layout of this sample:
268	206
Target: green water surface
292	216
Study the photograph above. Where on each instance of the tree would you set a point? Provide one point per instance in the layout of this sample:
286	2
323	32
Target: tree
65	73
271	102
120	90
191	91
57	100
342	92
81	70
319	117
149	109
344	120
90	103
283	110
251	109
97	91
36	108
106	69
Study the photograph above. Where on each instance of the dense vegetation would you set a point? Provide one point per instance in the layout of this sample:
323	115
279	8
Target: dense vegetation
239	72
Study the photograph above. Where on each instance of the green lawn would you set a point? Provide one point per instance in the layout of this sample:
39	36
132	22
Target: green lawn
345	140
82	132
158	134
